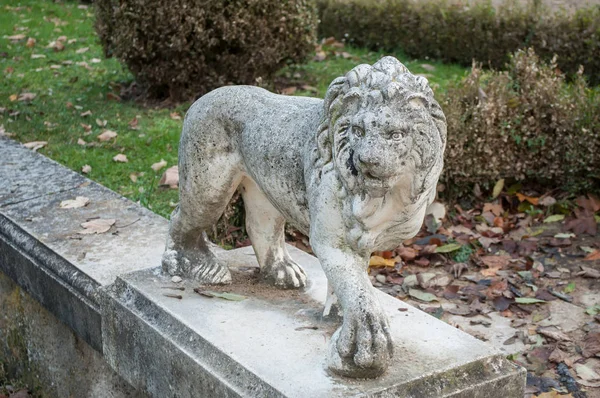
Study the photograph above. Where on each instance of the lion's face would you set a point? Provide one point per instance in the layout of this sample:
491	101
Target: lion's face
381	147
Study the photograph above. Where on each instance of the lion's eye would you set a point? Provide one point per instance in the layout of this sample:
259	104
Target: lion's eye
359	132
397	135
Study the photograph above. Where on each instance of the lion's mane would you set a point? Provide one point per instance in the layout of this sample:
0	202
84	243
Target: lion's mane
387	82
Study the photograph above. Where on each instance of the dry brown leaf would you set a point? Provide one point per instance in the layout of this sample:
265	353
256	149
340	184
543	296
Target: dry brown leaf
97	226
121	158
86	169
488	272
30	42
159	165
13	97
533	201
81	142
101	123
595	255
35	145
86	113
37	56
170	178
377	261
591	344
554	333
81	50
79	201
587	272
288	90
175	116
498	262
495	208
27	96
18	37
107	135
133	177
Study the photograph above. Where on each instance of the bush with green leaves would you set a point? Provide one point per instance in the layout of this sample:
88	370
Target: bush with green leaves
182	49
523	123
476	30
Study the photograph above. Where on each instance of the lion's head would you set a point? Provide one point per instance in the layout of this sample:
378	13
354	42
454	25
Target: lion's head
383	129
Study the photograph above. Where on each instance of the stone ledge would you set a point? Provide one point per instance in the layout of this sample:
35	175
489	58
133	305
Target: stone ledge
275	343
106	288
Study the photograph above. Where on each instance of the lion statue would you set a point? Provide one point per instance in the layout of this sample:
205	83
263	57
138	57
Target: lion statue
355	172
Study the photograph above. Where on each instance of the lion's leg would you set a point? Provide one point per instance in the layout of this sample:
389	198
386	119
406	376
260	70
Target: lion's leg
265	226
205	191
362	347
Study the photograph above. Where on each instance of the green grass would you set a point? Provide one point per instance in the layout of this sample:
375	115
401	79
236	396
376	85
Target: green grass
65	88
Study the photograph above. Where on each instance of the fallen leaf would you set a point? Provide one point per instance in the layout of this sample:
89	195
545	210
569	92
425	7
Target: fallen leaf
533	201
588	272
528	300
79	201
407	253
86	169
27	96
81	142
35	145
553	332
489	272
170	177
13	97
289	90
97	226
37	56
81	50
595	255
377	261
175	116
422	296
30	42
450	247
586	373
495	261
224	295
498	188
591	344
107	135
86	113
133	177
494	208
121	158
18	37
159	165
320	56
101	123
554	218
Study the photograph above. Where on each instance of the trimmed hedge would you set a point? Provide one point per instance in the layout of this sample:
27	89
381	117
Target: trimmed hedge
463	33
524	123
184	48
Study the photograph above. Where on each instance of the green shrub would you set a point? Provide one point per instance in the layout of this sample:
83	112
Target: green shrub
469	31
525	123
184	48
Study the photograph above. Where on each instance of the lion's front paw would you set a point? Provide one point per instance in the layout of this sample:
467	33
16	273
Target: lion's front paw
203	267
285	274
362	347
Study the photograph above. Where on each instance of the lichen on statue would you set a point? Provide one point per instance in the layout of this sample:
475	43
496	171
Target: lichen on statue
355	172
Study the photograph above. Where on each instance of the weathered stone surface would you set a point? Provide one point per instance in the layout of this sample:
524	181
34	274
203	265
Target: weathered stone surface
40	247
45	353
355	172
273	343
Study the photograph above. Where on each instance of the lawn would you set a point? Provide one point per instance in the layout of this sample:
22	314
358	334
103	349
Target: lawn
50	50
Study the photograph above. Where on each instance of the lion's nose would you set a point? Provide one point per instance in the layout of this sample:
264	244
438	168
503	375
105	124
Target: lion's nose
369	166
367	162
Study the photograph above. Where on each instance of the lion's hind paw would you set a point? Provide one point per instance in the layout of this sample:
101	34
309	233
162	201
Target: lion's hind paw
285	274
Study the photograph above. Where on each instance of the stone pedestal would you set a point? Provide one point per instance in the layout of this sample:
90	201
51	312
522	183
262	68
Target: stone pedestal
273	343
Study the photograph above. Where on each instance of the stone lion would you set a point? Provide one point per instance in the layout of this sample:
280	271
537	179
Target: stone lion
354	172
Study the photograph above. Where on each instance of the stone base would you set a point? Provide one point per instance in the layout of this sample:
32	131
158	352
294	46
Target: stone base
274	343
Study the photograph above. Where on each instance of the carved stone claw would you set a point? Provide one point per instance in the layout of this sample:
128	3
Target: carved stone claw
285	274
362	347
